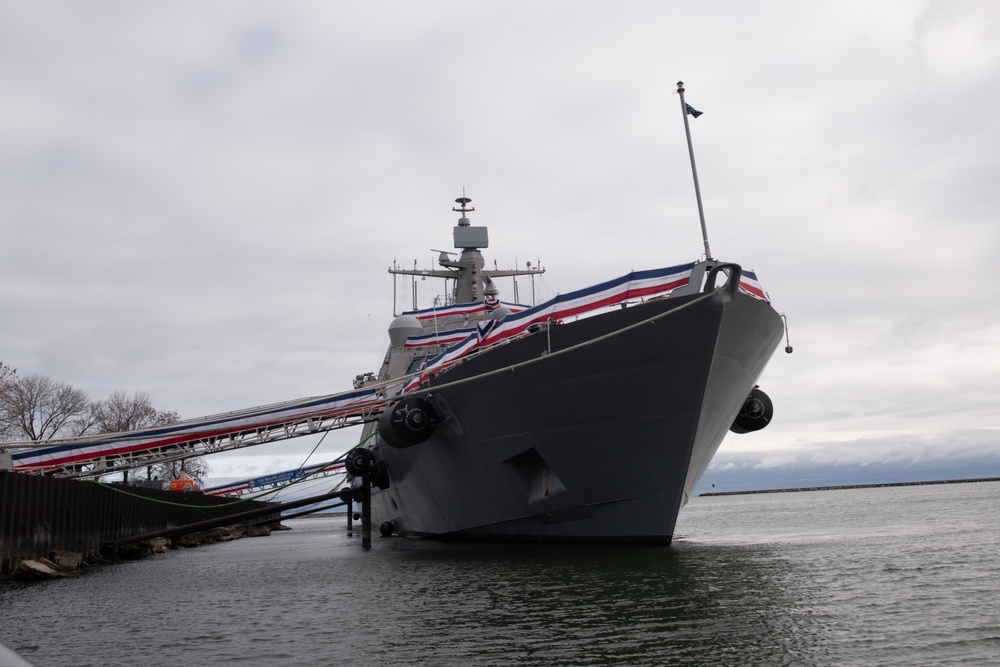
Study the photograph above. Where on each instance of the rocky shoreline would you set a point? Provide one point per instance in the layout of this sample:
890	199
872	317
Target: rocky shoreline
64	563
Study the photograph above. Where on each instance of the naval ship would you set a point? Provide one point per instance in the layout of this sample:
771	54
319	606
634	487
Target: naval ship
589	417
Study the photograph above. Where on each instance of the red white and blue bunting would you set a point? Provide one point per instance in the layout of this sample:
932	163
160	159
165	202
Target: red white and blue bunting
635	285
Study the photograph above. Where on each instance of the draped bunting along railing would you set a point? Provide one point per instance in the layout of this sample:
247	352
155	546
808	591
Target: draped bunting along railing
635	285
749	284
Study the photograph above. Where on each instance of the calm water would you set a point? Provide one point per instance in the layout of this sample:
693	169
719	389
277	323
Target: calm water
893	576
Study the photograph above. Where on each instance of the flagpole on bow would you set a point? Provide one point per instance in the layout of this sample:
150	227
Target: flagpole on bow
685	110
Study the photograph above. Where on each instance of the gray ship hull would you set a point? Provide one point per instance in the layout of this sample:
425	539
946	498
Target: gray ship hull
601	436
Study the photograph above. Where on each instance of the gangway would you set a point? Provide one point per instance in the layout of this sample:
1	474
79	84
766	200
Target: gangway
275	480
93	456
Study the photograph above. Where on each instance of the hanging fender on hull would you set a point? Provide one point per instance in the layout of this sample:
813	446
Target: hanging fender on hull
358	461
755	414
408	423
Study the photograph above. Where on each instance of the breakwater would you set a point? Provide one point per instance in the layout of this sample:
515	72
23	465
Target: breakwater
41	515
850	486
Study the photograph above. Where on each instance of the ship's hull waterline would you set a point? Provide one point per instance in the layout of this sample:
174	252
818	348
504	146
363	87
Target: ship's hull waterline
601	436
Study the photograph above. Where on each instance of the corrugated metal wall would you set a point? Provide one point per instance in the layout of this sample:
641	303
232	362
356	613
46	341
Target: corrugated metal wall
42	514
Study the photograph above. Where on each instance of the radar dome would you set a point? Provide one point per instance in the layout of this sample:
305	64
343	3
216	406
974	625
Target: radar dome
402	328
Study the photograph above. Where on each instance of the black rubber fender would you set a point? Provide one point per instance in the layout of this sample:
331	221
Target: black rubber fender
756	413
358	462
408	422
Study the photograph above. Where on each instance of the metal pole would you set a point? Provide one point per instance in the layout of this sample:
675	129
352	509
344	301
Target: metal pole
395	300
694	169
366	510
350	516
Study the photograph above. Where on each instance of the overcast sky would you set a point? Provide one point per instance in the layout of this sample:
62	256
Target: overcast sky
200	200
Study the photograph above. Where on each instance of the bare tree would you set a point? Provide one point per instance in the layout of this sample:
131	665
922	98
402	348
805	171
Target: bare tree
123	411
195	467
6	378
35	407
6	374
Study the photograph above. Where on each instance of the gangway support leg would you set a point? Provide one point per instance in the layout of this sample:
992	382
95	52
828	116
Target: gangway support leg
350	516
366	510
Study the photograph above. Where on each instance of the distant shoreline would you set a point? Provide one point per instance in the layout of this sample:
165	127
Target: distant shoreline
849	486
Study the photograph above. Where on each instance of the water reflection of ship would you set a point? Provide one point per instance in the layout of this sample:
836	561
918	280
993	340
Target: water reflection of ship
697	604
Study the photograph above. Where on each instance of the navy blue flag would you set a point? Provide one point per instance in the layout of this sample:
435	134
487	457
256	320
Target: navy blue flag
691	110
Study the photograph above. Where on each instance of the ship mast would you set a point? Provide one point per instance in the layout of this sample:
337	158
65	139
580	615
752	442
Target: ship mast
472	281
468	239
687	110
